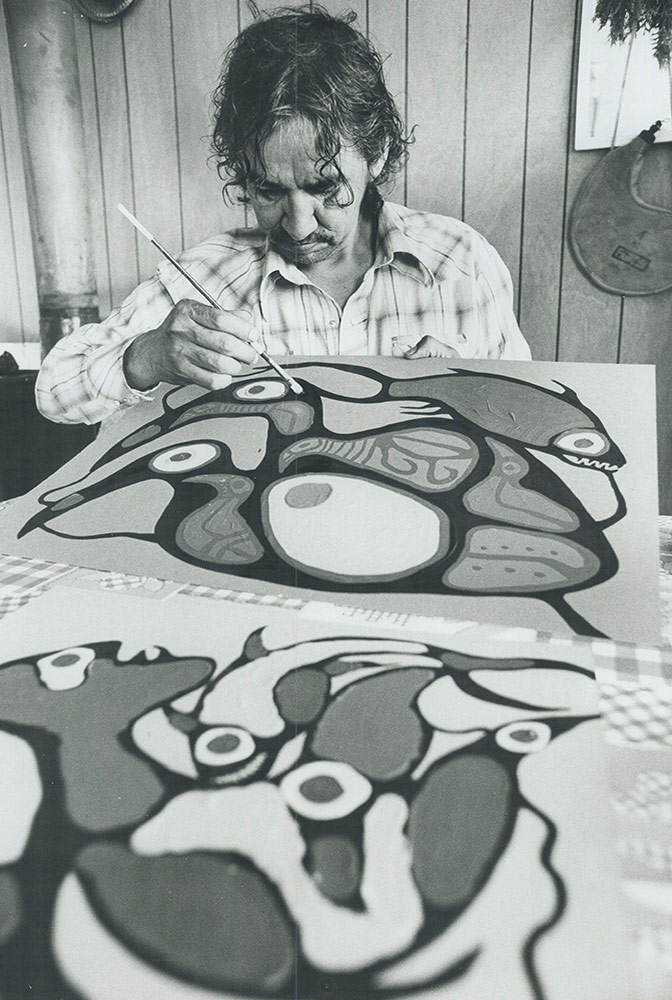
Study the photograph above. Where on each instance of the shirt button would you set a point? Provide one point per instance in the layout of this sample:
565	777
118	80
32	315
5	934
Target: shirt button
332	322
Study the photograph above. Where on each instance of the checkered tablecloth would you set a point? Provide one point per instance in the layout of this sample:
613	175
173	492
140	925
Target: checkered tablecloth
22	579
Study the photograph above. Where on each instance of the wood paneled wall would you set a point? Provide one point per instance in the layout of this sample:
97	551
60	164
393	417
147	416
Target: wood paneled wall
19	319
488	85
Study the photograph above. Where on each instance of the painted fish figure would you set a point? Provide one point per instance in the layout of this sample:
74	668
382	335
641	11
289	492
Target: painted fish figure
437	484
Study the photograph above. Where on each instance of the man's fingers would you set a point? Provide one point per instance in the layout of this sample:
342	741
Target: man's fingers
212	361
429	347
193	375
216	330
219	319
225	344
195	344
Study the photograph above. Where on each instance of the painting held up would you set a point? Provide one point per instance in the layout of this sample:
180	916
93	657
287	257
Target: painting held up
270	805
501	492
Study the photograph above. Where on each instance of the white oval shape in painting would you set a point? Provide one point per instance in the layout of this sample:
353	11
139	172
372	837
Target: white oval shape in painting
222	746
588	442
20	794
65	669
325	789
261	390
524	737
185	457
352	530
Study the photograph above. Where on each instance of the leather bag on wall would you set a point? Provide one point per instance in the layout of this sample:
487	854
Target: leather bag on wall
620	242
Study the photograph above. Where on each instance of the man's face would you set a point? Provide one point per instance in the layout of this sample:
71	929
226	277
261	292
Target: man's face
308	212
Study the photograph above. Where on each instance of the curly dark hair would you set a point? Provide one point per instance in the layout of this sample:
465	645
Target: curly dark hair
304	63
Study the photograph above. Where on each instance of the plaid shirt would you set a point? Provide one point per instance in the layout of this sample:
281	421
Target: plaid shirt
432	276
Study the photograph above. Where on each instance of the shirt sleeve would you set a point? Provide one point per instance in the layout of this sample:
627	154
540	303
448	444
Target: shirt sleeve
499	331
82	380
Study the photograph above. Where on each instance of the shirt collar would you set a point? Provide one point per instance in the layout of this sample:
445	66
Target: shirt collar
275	269
394	248
397	250
275	266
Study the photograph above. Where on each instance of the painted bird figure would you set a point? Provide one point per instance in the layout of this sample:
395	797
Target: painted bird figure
351	811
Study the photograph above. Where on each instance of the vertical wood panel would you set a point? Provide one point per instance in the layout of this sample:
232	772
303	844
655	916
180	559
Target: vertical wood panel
646	340
198	59
19	313
335	7
387	31
264	6
94	163
110	114
11	319
338	7
647	324
146	33
589	318
496	118
545	171
437	41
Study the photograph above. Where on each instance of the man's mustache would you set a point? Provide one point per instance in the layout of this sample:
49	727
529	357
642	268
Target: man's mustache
281	237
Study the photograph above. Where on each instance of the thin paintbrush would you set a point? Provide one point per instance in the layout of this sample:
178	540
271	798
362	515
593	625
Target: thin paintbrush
292	383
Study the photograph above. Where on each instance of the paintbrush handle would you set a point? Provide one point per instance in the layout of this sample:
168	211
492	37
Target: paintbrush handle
190	278
285	376
213	302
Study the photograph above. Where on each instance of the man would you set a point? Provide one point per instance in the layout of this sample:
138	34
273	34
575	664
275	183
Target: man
307	132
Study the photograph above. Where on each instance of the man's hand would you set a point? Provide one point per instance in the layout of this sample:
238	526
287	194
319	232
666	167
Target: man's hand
195	345
429	347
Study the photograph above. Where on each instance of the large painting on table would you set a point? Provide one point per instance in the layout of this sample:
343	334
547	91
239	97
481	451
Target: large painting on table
204	800
492	492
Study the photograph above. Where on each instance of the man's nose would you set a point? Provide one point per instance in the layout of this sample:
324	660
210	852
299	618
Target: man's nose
299	217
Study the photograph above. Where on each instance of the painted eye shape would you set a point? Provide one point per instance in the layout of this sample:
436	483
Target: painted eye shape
589	442
223	746
65	669
524	737
267	389
325	789
185	457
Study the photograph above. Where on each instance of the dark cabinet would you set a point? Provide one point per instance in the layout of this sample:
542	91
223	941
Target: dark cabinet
31	448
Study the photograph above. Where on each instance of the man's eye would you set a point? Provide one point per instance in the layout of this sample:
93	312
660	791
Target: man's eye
328	192
264	192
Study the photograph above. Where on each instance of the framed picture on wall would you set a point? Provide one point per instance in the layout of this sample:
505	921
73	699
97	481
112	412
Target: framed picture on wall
620	88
